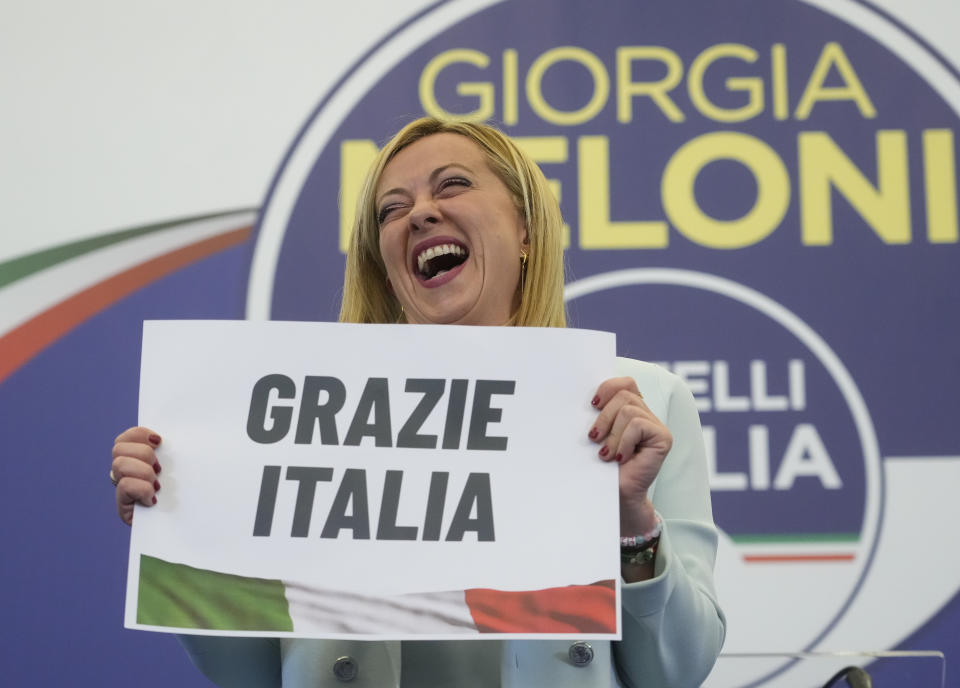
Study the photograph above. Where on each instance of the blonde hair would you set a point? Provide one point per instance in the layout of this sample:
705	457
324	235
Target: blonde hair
366	297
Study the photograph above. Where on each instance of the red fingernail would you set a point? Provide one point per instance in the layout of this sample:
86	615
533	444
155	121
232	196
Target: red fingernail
154	500
156	485
595	401
156	468
604	450
154	439
593	433
619	457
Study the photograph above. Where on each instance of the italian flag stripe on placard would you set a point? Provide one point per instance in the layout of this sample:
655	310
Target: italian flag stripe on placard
181	596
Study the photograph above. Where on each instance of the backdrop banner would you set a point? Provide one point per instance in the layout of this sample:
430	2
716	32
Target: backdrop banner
381	481
763	197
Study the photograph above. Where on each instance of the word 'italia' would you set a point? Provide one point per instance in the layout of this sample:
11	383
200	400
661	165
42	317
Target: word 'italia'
350	507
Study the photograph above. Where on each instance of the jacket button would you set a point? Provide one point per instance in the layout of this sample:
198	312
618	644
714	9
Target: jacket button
345	668
580	653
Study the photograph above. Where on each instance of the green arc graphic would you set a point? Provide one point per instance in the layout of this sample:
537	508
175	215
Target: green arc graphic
18	268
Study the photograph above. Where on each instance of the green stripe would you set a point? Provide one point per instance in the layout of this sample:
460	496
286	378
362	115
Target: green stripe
18	268
795	538
185	597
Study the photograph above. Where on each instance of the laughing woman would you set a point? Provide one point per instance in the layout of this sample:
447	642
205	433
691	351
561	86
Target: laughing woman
457	226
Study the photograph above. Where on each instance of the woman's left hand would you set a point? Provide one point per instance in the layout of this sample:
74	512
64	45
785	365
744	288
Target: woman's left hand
629	433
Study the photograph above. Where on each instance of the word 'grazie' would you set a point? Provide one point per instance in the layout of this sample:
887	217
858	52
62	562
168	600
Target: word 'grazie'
322	398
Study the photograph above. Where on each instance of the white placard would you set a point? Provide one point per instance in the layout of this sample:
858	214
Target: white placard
343	465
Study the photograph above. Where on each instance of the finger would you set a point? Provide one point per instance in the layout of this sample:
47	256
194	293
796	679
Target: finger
140	453
642	433
136	450
131	491
603	424
129	467
609	388
140	435
126	512
627	414
630	412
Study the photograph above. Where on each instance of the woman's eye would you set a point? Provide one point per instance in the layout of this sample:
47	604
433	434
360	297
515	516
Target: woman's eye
454	181
385	213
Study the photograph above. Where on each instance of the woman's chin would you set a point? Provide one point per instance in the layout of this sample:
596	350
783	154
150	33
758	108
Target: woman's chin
458	306
454	315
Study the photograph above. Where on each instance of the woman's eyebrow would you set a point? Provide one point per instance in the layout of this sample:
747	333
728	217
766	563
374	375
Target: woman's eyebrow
388	192
443	168
433	178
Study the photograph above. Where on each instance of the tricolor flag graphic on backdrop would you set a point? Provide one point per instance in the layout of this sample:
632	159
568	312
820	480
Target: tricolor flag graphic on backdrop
46	295
180	596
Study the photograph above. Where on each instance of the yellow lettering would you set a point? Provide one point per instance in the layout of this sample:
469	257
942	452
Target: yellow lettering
832	55
824	167
510	88
752	86
545	149
778	67
656	90
680	202
601	86
596	229
940	180
355	159
483	90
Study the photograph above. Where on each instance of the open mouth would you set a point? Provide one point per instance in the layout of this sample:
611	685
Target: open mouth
436	261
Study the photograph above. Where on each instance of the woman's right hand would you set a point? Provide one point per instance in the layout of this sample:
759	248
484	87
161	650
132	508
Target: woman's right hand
135	469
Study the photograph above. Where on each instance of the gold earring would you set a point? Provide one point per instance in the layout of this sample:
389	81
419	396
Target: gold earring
523	269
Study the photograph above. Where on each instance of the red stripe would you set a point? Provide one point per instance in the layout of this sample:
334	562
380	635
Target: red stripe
572	609
24	342
778	558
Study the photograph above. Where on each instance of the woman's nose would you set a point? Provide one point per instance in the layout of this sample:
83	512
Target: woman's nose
424	213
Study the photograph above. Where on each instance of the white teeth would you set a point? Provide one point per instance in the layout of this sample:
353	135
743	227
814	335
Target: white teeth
435	251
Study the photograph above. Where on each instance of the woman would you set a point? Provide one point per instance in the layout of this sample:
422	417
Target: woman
457	226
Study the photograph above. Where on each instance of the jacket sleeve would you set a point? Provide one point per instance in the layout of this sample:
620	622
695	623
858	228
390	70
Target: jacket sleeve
673	627
232	662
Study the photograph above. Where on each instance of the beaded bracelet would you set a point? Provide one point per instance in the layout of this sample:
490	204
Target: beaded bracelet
641	549
640	540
